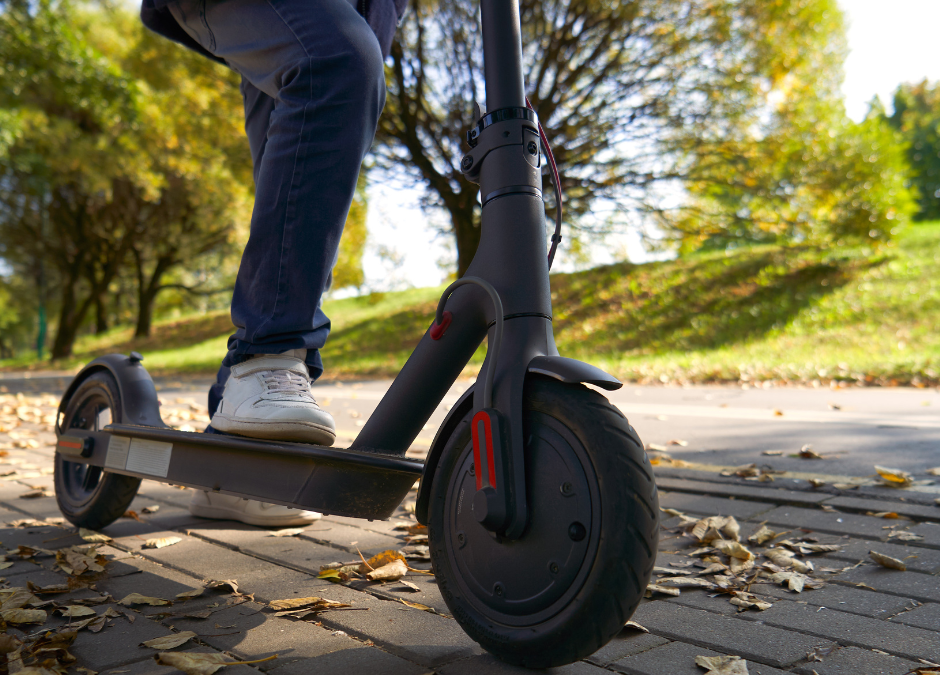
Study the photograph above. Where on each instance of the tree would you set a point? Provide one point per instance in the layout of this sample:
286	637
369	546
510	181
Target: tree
123	147
795	169
622	88
917	116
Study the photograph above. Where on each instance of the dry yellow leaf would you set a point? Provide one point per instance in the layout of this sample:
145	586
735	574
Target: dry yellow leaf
887	561
221	583
198	663
379	560
194	593
894	477
393	571
747	600
162	542
169	641
762	536
138	599
733	549
23	615
723	665
633	625
296	603
76	610
92	536
935	471
289	532
415	605
664	590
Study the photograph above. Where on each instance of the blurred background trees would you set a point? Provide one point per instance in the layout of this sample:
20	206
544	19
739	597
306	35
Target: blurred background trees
125	178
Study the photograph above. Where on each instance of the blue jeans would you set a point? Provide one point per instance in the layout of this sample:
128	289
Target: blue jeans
313	86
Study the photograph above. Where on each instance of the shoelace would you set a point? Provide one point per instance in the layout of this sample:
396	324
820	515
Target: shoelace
287	382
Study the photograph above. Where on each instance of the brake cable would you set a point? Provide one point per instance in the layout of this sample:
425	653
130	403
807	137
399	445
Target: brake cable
556	237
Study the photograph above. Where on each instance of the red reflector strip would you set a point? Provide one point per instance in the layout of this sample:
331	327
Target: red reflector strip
484	418
69	444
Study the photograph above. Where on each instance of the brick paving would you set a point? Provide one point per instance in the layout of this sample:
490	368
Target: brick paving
863	620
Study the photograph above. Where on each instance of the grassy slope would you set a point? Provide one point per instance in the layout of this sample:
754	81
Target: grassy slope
758	313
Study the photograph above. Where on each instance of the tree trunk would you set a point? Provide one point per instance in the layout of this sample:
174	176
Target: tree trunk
145	303
101	313
70	320
466	230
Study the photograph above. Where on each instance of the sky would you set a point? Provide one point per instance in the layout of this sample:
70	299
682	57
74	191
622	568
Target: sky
890	41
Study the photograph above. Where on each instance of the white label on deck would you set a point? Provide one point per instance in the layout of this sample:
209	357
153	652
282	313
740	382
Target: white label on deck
150	457
117	452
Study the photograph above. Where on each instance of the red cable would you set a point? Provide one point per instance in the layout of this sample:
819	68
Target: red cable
556	238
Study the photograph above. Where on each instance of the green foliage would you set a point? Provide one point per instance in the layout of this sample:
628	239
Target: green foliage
124	167
348	270
795	168
767	312
917	116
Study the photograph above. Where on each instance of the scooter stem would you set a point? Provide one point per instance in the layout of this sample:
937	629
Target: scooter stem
502	54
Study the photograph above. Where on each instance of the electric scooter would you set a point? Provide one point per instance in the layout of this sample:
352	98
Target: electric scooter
540	503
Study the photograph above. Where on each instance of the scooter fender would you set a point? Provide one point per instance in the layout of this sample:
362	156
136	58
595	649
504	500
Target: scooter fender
139	401
558	367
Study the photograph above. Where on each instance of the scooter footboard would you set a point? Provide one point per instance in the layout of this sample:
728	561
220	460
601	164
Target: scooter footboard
355	483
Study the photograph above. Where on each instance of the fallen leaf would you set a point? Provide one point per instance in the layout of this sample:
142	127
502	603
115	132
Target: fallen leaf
162	542
379	560
889	515
633	625
722	665
332	575
36	494
412	528
410	586
17	597
894	477
772	453
746	600
734	549
138	599
313	603
23	615
672	512
194	593
807	452
678	442
415	605
904	535
391	572
92	536
817	482
663	590
222	583
200	663
132	514
150	509
762	536
686	581
169	641
76	610
289	532
778	413
887	561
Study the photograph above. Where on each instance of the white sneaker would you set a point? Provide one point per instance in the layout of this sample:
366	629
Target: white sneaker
268	396
227	507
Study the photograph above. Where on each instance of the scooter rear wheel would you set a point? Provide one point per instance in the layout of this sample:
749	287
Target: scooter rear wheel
577	574
87	495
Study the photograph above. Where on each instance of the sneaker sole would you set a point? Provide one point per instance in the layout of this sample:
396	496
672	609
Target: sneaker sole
221	513
300	432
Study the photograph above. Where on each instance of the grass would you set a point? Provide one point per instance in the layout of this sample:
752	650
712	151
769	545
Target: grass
763	313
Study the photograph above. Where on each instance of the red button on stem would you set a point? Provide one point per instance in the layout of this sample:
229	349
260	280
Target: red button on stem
438	329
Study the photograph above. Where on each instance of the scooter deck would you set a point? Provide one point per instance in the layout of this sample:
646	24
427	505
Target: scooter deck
354	483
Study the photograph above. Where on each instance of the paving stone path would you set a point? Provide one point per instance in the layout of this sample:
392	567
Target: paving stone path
864	620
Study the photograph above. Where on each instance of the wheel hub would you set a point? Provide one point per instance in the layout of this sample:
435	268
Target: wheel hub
528	579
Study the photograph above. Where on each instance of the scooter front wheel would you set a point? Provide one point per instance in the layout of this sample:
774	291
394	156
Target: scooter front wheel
574	578
87	495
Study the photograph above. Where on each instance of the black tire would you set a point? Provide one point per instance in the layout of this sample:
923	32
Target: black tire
566	608
87	495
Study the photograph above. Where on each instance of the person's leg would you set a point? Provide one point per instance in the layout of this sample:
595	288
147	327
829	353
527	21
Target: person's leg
321	66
